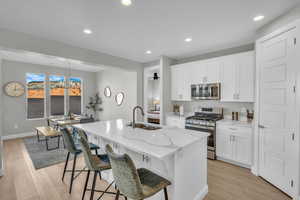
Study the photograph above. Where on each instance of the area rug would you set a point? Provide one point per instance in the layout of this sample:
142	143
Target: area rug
40	156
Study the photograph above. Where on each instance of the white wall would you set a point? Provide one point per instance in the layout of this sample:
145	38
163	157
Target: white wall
118	81
14	109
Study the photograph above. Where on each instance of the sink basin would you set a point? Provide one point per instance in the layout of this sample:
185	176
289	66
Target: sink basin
146	126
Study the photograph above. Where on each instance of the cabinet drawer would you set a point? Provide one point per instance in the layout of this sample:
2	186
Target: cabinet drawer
235	130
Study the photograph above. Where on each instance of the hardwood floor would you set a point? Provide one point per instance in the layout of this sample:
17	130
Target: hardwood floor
23	182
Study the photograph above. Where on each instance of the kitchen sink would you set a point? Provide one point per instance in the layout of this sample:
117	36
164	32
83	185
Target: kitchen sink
146	126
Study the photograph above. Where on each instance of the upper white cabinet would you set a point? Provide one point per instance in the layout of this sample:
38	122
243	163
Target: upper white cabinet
180	83
237	77
234	72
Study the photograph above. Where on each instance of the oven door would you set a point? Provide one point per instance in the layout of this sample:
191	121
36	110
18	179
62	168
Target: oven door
198	91
211	140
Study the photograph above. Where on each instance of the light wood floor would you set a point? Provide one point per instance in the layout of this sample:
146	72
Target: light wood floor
23	182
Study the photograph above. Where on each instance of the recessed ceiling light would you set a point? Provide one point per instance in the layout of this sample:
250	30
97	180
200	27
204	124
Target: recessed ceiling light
148	52
258	18
188	39
126	2
88	31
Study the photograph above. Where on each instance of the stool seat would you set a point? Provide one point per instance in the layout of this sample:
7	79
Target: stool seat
101	162
151	182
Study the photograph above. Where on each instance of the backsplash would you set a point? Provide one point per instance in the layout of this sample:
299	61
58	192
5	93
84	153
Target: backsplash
229	107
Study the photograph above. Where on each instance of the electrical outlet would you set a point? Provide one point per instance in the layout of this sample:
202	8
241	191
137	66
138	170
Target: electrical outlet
16	126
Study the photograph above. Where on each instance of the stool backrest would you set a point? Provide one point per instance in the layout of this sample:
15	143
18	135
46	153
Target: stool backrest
87	154
69	141
125	174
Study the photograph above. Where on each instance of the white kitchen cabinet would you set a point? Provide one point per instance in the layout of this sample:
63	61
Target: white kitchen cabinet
234	143
180	83
237	77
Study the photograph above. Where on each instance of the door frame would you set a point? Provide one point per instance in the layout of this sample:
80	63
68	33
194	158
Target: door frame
256	144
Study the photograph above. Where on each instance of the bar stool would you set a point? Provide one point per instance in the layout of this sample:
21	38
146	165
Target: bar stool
134	183
75	150
95	163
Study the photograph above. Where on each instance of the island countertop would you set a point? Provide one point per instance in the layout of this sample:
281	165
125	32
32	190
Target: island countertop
158	143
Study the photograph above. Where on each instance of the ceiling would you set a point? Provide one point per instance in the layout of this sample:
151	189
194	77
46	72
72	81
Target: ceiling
157	25
45	60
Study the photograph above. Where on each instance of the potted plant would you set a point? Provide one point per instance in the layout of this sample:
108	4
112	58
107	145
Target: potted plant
94	105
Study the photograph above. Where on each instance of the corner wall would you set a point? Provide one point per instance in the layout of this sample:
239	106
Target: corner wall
118	81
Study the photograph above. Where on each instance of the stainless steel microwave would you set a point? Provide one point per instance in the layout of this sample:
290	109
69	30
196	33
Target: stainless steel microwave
209	91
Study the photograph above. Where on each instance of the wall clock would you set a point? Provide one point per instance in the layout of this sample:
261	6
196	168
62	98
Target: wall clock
14	89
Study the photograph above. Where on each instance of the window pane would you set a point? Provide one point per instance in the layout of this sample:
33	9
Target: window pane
75	95
57	95
35	95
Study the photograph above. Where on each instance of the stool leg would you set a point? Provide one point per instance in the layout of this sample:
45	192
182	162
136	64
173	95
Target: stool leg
65	168
166	193
117	195
73	171
93	186
86	183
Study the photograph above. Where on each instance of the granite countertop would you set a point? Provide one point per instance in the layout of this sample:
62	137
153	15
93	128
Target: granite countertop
158	143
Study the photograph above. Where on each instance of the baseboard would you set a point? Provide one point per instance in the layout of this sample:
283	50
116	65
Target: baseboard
201	195
254	171
234	163
19	135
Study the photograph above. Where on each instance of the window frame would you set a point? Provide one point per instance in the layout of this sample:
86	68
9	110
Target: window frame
49	95
81	103
45	97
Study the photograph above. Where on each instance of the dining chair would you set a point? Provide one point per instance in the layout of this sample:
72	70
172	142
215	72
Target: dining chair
75	150
136	184
96	164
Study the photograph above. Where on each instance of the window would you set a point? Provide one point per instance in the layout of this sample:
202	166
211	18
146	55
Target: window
35	95
57	95
75	92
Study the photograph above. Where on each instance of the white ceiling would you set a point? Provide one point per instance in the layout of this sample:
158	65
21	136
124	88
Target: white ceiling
45	60
157	25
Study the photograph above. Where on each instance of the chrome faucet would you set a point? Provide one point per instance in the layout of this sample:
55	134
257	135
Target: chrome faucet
133	114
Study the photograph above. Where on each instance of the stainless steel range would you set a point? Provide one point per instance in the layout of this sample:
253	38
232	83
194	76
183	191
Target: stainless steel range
205	121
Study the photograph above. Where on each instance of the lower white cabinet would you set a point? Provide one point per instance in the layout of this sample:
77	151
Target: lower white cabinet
234	143
175	121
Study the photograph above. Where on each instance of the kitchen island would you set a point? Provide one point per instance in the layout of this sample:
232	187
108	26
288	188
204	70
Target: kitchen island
178	155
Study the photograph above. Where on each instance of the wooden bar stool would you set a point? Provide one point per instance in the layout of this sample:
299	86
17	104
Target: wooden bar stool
134	183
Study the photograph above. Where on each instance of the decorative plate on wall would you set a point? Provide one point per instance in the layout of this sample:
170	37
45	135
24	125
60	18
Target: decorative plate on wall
119	98
107	92
14	89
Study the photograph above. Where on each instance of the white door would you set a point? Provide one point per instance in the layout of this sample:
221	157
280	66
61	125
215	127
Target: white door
197	72
174	83
277	110
245	77
224	144
213	71
242	148
228	79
